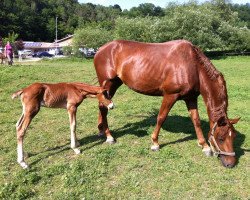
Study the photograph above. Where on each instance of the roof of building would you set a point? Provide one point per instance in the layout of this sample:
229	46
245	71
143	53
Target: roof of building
43	45
36	45
65	38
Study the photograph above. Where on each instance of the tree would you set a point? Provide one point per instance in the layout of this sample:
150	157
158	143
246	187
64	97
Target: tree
210	26
19	44
243	13
90	37
11	38
138	29
215	24
145	9
1	42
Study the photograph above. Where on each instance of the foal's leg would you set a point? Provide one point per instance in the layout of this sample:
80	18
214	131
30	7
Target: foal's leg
72	119
167	103
21	127
194	114
111	86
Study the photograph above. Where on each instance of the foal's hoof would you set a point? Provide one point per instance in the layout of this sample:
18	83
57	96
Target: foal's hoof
155	147
207	151
77	151
110	140
25	155
23	165
78	144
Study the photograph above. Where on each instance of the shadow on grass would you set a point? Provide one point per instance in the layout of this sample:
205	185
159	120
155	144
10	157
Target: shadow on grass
174	124
58	149
49	152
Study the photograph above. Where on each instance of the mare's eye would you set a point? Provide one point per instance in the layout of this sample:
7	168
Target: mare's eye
221	140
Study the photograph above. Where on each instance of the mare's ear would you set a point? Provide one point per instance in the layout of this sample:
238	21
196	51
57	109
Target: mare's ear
222	121
234	121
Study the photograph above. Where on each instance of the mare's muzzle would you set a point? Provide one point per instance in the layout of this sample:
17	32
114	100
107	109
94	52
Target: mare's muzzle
215	148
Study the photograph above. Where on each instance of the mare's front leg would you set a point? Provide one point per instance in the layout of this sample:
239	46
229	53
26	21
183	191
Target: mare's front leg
167	103
111	86
194	114
72	119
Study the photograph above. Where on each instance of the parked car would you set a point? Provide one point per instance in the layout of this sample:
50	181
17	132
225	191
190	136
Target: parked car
24	53
42	54
55	52
88	52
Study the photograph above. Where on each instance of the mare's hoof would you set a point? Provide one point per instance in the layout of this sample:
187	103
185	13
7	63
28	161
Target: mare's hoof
23	165
155	147
207	151
77	151
110	140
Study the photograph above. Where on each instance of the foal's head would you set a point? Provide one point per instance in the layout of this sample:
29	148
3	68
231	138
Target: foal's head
104	99
221	139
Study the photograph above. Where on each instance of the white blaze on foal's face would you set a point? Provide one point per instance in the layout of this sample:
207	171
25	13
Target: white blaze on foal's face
111	106
103	98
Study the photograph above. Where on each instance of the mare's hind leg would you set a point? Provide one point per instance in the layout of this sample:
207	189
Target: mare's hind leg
21	127
194	114
167	103
111	86
72	118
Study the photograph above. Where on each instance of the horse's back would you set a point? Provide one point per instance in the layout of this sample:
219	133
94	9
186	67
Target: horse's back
149	68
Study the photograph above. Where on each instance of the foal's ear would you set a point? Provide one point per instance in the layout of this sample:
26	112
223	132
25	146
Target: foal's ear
104	91
100	90
234	121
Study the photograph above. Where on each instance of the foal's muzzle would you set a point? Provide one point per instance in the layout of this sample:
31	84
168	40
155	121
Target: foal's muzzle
111	106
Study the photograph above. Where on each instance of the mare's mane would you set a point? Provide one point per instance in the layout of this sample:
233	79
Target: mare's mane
214	75
211	71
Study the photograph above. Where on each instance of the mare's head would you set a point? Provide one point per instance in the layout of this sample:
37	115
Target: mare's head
221	138
104	99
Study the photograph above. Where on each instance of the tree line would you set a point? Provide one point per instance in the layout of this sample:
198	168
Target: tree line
213	25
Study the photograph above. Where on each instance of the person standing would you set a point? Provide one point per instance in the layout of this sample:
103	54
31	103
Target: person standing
9	53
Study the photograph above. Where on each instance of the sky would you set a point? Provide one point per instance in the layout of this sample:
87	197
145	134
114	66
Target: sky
127	4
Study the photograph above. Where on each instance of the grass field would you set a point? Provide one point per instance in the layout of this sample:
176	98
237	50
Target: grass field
128	169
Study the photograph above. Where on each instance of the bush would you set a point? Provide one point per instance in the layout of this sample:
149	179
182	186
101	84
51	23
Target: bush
211	26
91	37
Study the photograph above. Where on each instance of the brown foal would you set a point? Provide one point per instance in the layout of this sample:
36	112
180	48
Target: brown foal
60	95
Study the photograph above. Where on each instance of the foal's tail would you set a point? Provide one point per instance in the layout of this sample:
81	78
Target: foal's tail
16	94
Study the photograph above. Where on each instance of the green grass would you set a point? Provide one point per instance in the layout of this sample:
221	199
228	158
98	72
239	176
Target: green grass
127	169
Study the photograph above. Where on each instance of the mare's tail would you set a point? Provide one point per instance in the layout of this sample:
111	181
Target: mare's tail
16	94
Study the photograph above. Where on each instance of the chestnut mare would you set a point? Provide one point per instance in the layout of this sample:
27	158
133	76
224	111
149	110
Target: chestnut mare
60	95
176	70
